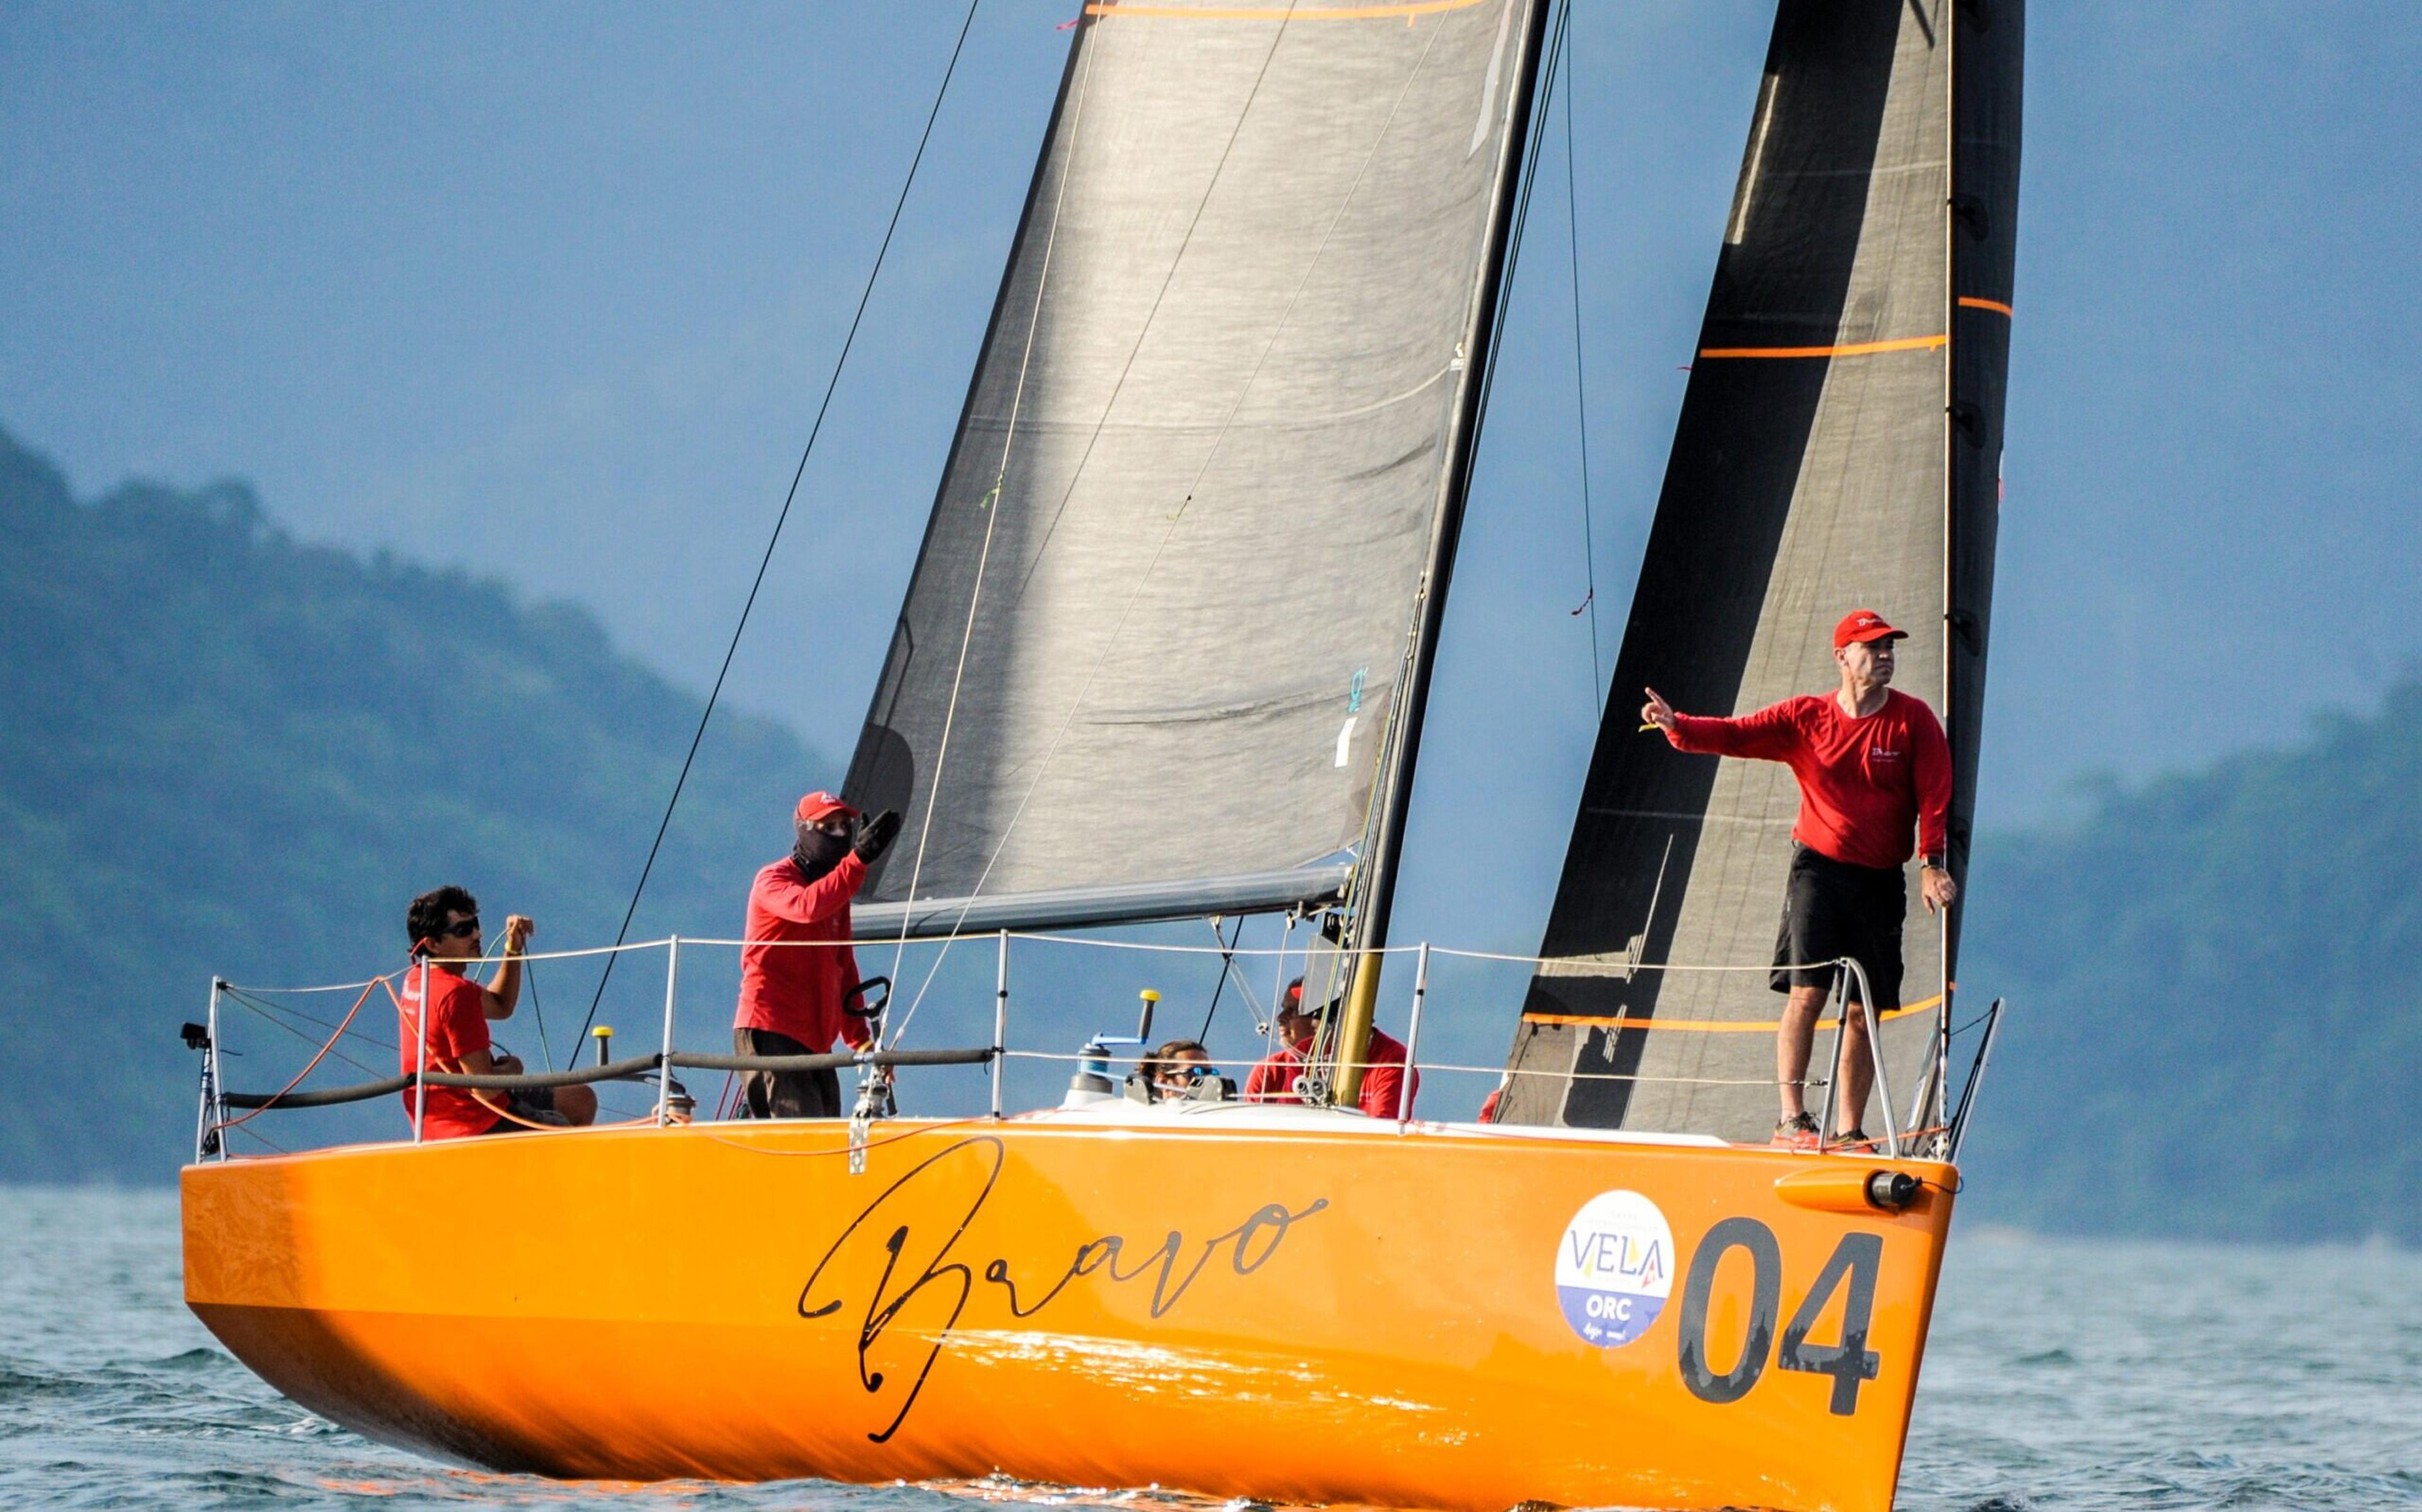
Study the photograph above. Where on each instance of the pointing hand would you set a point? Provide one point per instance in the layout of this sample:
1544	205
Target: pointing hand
1657	713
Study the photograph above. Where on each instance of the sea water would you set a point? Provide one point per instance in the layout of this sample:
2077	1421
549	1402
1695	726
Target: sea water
2062	1375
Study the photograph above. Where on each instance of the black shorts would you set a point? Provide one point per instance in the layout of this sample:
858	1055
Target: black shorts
783	1093
530	1106
1833	908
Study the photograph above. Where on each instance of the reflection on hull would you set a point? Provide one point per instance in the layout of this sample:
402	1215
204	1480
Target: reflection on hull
1285	1305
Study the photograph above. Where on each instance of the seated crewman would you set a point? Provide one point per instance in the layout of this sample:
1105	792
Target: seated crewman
443	926
1273	1080
1173	1070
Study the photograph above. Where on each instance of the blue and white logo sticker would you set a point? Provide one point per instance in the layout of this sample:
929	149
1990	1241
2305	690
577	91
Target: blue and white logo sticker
1614	1268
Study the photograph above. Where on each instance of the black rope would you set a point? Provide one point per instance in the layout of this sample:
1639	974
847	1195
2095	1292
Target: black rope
1580	391
1227	960
247	1128
538	1014
768	560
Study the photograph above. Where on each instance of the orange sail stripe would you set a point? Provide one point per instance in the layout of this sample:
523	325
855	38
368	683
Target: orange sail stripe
1854	349
1970	301
1715	1026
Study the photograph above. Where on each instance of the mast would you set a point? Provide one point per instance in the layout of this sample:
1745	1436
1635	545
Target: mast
1375	890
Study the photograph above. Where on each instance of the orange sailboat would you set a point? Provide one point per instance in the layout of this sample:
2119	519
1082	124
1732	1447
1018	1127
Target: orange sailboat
1164	657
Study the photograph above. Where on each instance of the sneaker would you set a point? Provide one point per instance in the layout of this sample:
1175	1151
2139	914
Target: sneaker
1852	1142
1798	1132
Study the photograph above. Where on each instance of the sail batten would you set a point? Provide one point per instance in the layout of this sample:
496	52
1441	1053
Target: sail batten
1819	464
1156	630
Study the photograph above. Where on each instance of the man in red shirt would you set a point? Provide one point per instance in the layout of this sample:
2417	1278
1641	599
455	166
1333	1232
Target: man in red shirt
797	971
1273	1079
444	924
1872	766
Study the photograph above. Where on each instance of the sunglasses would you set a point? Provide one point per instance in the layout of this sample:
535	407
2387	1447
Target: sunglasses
463	930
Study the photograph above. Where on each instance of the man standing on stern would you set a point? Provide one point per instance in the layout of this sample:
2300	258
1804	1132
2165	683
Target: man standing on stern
1872	766
797	971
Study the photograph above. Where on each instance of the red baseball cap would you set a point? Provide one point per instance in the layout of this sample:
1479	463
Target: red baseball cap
817	806
1864	625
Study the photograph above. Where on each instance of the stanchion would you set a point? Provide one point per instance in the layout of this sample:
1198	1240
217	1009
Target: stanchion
999	1019
664	1070
1413	1036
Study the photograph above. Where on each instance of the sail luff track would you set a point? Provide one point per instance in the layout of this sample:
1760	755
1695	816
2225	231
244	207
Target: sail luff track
1809	475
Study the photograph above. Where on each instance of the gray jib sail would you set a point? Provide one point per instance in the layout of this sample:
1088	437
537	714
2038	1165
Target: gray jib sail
1838	447
1157	629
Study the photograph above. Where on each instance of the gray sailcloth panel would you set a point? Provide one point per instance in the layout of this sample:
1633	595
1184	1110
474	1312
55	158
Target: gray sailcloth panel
1156	628
1810	475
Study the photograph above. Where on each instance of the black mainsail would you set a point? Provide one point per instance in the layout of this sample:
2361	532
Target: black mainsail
1159	631
1839	446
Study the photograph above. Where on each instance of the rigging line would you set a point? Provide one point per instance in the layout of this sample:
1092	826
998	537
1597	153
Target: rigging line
1580	391
1142	332
1514	246
992	517
768	560
259	1135
371	1072
268	1009
274	1015
1202	1035
538	1014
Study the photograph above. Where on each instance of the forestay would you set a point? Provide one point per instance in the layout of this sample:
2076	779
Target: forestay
1838	446
1155	633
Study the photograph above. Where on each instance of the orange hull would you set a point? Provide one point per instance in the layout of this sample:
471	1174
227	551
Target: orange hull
1302	1307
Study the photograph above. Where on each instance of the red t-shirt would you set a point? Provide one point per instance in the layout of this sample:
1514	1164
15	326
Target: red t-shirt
1865	784
797	990
1272	1079
457	1028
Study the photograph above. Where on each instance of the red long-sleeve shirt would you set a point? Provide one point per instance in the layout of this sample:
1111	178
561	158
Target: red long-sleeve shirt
1864	783
797	990
1272	1079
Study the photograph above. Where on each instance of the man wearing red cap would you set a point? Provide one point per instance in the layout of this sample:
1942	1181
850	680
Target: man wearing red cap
797	971
1273	1079
1872	766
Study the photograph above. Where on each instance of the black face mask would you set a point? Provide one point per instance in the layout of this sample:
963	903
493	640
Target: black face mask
817	852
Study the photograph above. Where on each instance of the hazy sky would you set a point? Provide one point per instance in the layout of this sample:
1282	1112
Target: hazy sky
552	291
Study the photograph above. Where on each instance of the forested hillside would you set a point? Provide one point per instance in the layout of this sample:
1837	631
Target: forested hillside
222	751
2216	1022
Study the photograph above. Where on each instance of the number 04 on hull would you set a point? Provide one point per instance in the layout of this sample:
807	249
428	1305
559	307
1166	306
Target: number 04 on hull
1258	1302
